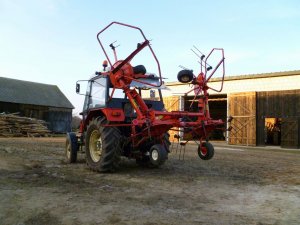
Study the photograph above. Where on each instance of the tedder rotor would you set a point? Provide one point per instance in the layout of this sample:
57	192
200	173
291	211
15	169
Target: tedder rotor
133	125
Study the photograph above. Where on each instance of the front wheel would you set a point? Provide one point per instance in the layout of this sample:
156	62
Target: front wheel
206	151
71	147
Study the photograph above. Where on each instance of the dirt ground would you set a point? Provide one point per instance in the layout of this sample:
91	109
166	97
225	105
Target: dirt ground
238	186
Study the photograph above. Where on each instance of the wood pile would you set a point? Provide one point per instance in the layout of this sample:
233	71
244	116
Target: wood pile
12	125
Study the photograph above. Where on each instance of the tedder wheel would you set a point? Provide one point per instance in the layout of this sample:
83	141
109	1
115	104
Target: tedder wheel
185	76
102	146
206	151
145	160
71	147
158	155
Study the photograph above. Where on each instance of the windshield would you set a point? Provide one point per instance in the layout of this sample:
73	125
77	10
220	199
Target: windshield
95	94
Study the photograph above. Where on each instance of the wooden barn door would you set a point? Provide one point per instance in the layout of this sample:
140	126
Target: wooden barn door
172	103
290	132
242	107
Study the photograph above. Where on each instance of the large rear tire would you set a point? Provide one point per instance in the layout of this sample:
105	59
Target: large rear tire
102	146
71	147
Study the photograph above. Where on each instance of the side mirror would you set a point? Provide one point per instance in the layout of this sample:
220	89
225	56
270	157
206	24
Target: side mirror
78	84
77	88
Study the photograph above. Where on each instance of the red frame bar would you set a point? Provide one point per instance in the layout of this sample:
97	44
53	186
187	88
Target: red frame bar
146	43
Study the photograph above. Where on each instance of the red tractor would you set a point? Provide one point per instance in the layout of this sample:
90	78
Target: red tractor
137	126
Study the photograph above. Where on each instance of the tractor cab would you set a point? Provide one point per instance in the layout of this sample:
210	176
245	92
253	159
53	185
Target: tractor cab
100	94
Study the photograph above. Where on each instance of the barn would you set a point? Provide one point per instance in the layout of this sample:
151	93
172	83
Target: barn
265	107
36	100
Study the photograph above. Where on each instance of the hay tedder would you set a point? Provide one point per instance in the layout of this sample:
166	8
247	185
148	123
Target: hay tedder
136	125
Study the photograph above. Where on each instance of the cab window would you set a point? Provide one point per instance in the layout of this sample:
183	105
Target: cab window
96	94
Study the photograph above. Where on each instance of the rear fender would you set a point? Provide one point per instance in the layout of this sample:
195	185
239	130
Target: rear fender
93	113
112	115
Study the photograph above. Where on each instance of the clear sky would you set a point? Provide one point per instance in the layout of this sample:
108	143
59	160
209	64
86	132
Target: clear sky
54	41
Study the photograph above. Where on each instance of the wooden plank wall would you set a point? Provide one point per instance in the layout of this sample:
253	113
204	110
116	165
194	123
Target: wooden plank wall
34	111
242	107
172	103
284	105
8	107
278	104
290	133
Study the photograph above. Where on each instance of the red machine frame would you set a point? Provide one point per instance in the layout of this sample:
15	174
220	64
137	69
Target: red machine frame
152	123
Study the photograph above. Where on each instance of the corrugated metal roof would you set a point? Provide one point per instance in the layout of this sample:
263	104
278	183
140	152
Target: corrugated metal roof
248	76
25	92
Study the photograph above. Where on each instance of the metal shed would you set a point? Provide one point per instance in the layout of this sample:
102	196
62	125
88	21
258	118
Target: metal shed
36	100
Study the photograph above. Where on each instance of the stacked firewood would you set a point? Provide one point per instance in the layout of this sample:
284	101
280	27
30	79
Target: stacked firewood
12	125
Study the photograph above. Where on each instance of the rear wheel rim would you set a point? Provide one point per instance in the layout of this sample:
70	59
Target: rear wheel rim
95	146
